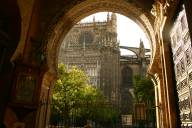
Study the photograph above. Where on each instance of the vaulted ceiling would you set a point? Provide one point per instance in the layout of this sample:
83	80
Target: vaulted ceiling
59	16
57	8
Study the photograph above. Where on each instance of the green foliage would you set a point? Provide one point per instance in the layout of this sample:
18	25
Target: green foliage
72	95
144	90
68	89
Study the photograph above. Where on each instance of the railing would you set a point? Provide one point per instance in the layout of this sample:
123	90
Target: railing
136	121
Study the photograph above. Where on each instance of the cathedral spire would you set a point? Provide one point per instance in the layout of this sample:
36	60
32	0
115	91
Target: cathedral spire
114	22
141	44
141	49
108	17
93	19
113	17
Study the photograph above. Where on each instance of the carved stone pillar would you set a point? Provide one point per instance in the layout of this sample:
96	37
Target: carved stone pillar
157	106
160	97
45	101
164	11
168	82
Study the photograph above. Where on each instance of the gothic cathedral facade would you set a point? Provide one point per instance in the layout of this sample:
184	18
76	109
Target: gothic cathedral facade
94	48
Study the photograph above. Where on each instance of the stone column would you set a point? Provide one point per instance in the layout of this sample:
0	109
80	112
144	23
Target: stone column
164	14
158	100
168	80
42	118
160	97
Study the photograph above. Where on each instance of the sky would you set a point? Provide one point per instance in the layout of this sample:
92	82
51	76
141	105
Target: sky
129	33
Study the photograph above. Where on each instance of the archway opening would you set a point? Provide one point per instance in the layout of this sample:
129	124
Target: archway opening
78	49
71	17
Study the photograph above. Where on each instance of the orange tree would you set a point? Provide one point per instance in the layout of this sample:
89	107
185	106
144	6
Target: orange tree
71	92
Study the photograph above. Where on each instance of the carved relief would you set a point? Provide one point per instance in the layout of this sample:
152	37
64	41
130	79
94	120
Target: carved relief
182	85
188	56
182	65
190	77
184	104
182	61
178	69
186	37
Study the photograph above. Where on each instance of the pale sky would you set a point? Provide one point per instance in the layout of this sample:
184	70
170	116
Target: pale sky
129	33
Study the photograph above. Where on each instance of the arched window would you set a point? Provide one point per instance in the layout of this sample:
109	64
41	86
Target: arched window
127	76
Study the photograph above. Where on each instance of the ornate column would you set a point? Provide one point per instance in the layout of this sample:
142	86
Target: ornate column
167	12
155	73
43	115
158	101
167	91
27	95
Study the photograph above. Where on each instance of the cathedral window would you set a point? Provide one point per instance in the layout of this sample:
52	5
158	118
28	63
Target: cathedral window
127	74
86	37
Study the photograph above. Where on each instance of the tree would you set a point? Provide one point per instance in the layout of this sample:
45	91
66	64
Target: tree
145	93
73	93
144	90
68	90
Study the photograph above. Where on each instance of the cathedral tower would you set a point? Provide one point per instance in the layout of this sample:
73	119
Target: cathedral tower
114	22
93	47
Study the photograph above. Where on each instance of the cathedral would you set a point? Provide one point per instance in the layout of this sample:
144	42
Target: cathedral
94	48
31	34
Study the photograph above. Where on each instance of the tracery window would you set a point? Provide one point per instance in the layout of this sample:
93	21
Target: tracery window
127	76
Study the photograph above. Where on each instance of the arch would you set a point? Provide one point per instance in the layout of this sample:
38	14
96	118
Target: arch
64	23
127	76
132	49
126	52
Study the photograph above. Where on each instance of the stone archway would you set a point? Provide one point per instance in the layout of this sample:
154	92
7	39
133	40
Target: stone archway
63	24
78	10
69	14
